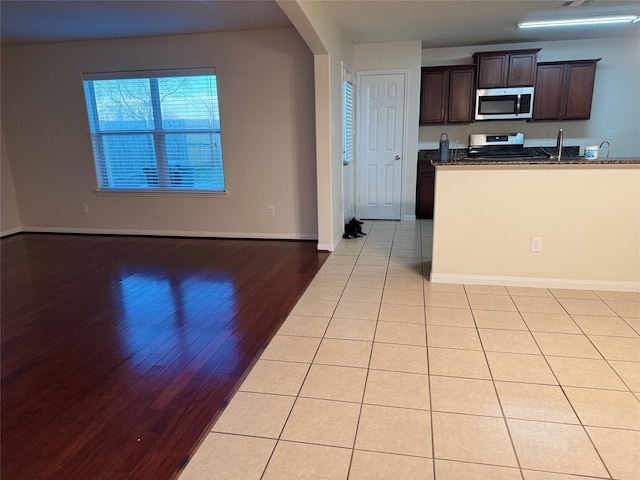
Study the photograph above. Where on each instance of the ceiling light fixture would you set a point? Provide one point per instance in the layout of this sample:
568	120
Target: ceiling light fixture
580	21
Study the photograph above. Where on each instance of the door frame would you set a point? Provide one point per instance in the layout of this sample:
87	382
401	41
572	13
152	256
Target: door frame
405	72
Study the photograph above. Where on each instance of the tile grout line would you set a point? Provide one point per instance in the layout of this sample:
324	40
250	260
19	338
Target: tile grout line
279	439
355	436
426	340
352	449
584	429
596	347
364	390
495	389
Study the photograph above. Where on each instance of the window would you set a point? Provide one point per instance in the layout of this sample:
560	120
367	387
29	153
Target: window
348	122
156	130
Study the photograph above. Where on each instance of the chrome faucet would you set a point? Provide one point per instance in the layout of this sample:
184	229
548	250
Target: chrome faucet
608	147
559	143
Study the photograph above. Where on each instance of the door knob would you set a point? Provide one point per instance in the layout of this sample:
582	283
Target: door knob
397	157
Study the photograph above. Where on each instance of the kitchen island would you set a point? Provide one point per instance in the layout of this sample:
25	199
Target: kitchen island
586	213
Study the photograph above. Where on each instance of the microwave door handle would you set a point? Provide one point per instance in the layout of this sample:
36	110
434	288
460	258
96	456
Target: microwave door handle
518	103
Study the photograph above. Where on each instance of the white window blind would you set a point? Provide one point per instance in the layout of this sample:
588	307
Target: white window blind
348	121
156	130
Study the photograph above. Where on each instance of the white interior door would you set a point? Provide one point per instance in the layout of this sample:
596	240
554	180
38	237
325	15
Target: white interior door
381	145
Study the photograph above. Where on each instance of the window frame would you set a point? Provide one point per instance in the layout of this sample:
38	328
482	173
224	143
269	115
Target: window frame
158	133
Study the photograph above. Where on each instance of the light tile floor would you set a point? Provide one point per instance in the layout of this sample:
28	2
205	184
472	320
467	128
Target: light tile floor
379	374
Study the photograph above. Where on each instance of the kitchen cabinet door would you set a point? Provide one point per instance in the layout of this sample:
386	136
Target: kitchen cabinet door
580	79
461	95
492	71
447	94
425	190
522	70
433	95
564	90
516	68
547	100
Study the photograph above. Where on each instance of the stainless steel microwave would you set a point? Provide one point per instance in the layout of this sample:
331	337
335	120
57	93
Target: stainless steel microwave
504	103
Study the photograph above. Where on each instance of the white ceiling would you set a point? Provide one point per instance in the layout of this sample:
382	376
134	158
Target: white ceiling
437	23
450	23
37	21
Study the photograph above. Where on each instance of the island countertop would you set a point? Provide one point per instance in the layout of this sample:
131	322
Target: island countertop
537	161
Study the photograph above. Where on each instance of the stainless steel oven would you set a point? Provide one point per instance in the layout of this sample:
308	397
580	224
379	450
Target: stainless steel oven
497	146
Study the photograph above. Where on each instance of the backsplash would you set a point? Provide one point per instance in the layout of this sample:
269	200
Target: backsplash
428	155
460	153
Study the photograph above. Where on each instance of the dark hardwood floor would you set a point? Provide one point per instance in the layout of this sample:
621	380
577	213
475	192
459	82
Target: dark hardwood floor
118	351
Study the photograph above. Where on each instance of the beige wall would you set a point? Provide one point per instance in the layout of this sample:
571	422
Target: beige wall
10	219
588	217
401	56
266	90
331	47
616	104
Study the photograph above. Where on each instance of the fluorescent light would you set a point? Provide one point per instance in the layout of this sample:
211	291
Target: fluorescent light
580	21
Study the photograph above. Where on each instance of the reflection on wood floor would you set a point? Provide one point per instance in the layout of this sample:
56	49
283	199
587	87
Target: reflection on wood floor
117	350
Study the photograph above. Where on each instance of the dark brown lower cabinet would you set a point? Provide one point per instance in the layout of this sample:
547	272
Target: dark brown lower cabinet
425	189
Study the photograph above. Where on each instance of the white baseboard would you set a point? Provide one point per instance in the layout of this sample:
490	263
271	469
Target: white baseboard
11	231
173	233
409	218
506	281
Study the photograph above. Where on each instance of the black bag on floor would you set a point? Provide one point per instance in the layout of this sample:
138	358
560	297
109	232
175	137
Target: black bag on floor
353	229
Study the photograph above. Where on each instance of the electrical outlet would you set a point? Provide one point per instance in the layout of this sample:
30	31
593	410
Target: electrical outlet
271	211
536	244
609	134
84	208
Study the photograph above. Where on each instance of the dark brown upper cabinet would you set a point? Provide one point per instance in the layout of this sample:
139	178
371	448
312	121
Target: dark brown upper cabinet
564	90
513	68
447	94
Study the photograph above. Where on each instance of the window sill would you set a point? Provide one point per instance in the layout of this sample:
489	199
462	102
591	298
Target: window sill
160	193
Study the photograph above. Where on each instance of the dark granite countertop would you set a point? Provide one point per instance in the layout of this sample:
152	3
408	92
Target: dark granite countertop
538	161
462	154
537	156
